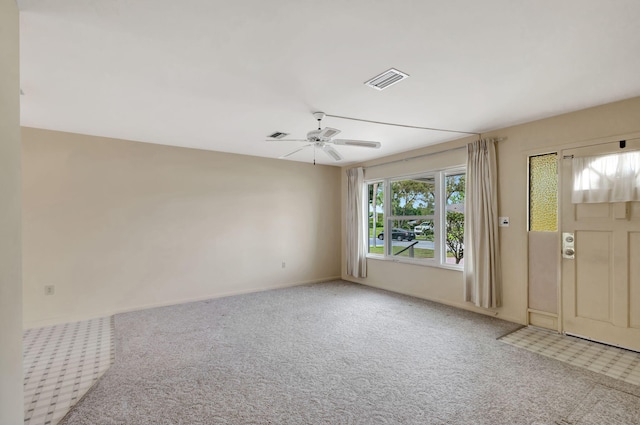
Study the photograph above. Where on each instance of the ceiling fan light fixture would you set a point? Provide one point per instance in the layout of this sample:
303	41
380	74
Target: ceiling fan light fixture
386	79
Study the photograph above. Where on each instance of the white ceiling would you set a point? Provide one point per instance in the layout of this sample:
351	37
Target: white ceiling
222	75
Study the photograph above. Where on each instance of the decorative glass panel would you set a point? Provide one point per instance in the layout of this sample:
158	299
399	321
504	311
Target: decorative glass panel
607	178
543	193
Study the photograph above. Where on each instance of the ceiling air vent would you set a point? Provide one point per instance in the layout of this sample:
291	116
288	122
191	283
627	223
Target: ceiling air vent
278	135
386	79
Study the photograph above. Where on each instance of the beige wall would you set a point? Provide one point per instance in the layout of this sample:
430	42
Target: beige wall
613	121
118	225
11	398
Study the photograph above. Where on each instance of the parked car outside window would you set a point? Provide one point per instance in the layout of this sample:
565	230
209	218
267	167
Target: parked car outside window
422	228
399	235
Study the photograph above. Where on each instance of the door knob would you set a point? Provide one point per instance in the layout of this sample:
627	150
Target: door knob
568	246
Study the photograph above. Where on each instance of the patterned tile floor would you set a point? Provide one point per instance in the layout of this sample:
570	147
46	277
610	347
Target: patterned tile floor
61	363
611	361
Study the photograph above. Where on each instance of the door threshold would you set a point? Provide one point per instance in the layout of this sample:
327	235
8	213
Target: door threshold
586	338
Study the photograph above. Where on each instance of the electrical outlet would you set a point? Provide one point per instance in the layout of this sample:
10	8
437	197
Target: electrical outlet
503	221
284	264
49	289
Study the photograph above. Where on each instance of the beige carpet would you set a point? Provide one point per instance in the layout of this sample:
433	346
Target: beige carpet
608	406
334	353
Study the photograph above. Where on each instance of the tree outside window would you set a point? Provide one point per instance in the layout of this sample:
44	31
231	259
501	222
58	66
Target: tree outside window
454	227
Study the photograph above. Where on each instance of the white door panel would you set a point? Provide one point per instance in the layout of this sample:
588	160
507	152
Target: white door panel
634	280
601	284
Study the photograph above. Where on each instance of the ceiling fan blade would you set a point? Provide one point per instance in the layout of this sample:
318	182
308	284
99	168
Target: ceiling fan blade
329	150
360	143
296	151
328	133
286	140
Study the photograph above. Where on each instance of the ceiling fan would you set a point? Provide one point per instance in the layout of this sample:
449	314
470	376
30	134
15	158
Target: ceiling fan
322	138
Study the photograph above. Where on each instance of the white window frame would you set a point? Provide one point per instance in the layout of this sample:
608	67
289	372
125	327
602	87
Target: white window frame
440	250
453	171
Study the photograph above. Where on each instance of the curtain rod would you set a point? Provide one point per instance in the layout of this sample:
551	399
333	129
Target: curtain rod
402	125
414	157
500	139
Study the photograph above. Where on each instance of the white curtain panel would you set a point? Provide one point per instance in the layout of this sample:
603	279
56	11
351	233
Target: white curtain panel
356	215
482	252
608	178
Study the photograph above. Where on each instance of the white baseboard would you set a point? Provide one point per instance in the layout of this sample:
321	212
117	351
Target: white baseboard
79	318
461	305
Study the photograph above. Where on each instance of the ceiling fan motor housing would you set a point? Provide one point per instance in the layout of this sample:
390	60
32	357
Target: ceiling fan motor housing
313	136
323	135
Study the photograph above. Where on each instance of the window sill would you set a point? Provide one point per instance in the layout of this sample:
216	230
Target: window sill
415	262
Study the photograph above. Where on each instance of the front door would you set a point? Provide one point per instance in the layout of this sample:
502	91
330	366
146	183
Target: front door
601	284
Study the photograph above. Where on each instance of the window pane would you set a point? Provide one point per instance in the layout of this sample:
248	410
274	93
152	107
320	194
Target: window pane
606	178
405	243
413	197
454	227
426	220
376	219
543	193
